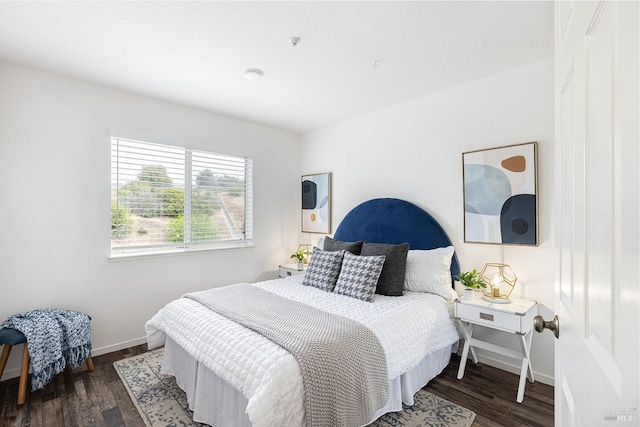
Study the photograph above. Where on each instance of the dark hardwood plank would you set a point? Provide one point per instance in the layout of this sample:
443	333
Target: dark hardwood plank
113	417
85	415
128	411
491	394
52	414
98	399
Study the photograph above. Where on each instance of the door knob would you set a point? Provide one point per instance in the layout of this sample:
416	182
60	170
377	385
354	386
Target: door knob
539	324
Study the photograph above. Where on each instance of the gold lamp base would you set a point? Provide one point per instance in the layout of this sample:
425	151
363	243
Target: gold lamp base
502	299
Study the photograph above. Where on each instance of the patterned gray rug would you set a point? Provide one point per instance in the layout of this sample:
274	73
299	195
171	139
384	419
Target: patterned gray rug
162	403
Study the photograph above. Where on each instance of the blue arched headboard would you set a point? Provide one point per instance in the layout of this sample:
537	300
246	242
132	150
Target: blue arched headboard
395	221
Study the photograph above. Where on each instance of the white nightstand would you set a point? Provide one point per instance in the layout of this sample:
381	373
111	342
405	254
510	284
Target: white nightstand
286	270
515	317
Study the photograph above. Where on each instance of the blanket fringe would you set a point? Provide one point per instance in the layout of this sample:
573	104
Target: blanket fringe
77	356
42	378
73	357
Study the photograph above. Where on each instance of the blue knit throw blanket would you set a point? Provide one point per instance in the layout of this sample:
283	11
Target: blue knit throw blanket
55	338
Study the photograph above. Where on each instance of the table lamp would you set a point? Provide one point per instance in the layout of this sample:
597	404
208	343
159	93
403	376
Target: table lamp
500	279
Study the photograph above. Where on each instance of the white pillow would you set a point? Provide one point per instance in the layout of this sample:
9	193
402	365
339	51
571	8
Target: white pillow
429	271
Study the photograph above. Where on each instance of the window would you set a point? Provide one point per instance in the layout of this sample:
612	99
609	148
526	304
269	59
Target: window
166	198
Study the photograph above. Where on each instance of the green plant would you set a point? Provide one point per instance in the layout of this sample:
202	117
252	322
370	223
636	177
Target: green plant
206	179
172	201
204	202
471	279
202	229
156	175
143	231
175	229
121	221
140	198
300	254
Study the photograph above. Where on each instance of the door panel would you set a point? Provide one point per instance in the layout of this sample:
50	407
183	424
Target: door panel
597	191
567	186
567	405
600	180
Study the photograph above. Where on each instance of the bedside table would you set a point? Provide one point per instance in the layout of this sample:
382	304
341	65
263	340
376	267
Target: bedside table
286	270
515	317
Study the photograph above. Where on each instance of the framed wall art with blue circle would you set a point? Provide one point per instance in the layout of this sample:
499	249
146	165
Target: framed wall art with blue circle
501	195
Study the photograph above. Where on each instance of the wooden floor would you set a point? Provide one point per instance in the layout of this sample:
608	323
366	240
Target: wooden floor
491	394
98	398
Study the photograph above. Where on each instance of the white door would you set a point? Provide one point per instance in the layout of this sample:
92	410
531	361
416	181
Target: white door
597	191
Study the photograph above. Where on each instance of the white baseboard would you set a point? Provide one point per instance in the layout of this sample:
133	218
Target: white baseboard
119	346
15	372
11	373
544	379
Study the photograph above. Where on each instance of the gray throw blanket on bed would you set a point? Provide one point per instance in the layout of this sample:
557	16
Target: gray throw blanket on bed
55	338
343	365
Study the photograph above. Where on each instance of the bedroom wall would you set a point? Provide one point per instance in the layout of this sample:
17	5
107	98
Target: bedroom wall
412	151
55	220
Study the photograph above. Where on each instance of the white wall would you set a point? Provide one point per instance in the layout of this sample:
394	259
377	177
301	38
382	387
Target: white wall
54	164
55	220
412	151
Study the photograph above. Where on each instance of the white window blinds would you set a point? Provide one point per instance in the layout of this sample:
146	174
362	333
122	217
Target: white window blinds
166	198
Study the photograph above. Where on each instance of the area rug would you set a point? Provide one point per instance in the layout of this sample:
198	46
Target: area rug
162	403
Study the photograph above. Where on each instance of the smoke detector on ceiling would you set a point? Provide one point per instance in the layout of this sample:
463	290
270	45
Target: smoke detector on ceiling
253	74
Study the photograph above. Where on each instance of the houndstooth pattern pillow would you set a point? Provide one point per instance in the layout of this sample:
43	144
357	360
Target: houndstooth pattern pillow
323	269
359	276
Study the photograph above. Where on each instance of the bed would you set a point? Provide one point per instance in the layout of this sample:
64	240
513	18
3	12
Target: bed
233	376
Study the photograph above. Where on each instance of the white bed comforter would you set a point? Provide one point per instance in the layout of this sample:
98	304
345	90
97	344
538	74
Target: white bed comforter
408	327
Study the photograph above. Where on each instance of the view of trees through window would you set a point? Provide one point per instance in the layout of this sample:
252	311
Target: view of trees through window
164	196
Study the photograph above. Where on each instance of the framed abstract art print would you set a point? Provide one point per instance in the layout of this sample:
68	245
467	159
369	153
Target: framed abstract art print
316	203
501	195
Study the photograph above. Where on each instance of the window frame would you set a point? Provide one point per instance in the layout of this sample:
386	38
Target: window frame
188	247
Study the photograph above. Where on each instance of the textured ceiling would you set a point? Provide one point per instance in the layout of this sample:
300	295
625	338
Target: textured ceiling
353	57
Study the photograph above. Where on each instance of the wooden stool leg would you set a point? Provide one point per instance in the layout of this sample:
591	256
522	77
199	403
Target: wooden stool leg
89	363
24	375
4	358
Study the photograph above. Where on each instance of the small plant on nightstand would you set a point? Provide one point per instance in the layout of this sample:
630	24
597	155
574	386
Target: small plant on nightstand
300	255
471	281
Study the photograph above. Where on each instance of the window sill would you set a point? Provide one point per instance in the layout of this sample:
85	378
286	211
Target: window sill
173	252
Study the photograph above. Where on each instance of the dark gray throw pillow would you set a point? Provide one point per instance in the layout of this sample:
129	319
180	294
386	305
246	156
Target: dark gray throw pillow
338	245
391	281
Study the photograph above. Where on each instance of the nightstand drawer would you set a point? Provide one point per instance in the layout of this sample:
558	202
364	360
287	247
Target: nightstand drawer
288	270
488	317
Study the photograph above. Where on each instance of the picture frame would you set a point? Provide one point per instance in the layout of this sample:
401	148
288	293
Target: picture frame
316	203
500	195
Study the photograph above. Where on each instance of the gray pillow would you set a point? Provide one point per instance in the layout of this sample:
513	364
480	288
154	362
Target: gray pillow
338	245
391	279
359	276
323	269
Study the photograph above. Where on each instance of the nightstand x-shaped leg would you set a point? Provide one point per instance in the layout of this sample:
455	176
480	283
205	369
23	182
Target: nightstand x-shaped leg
467	331
526	370
525	353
